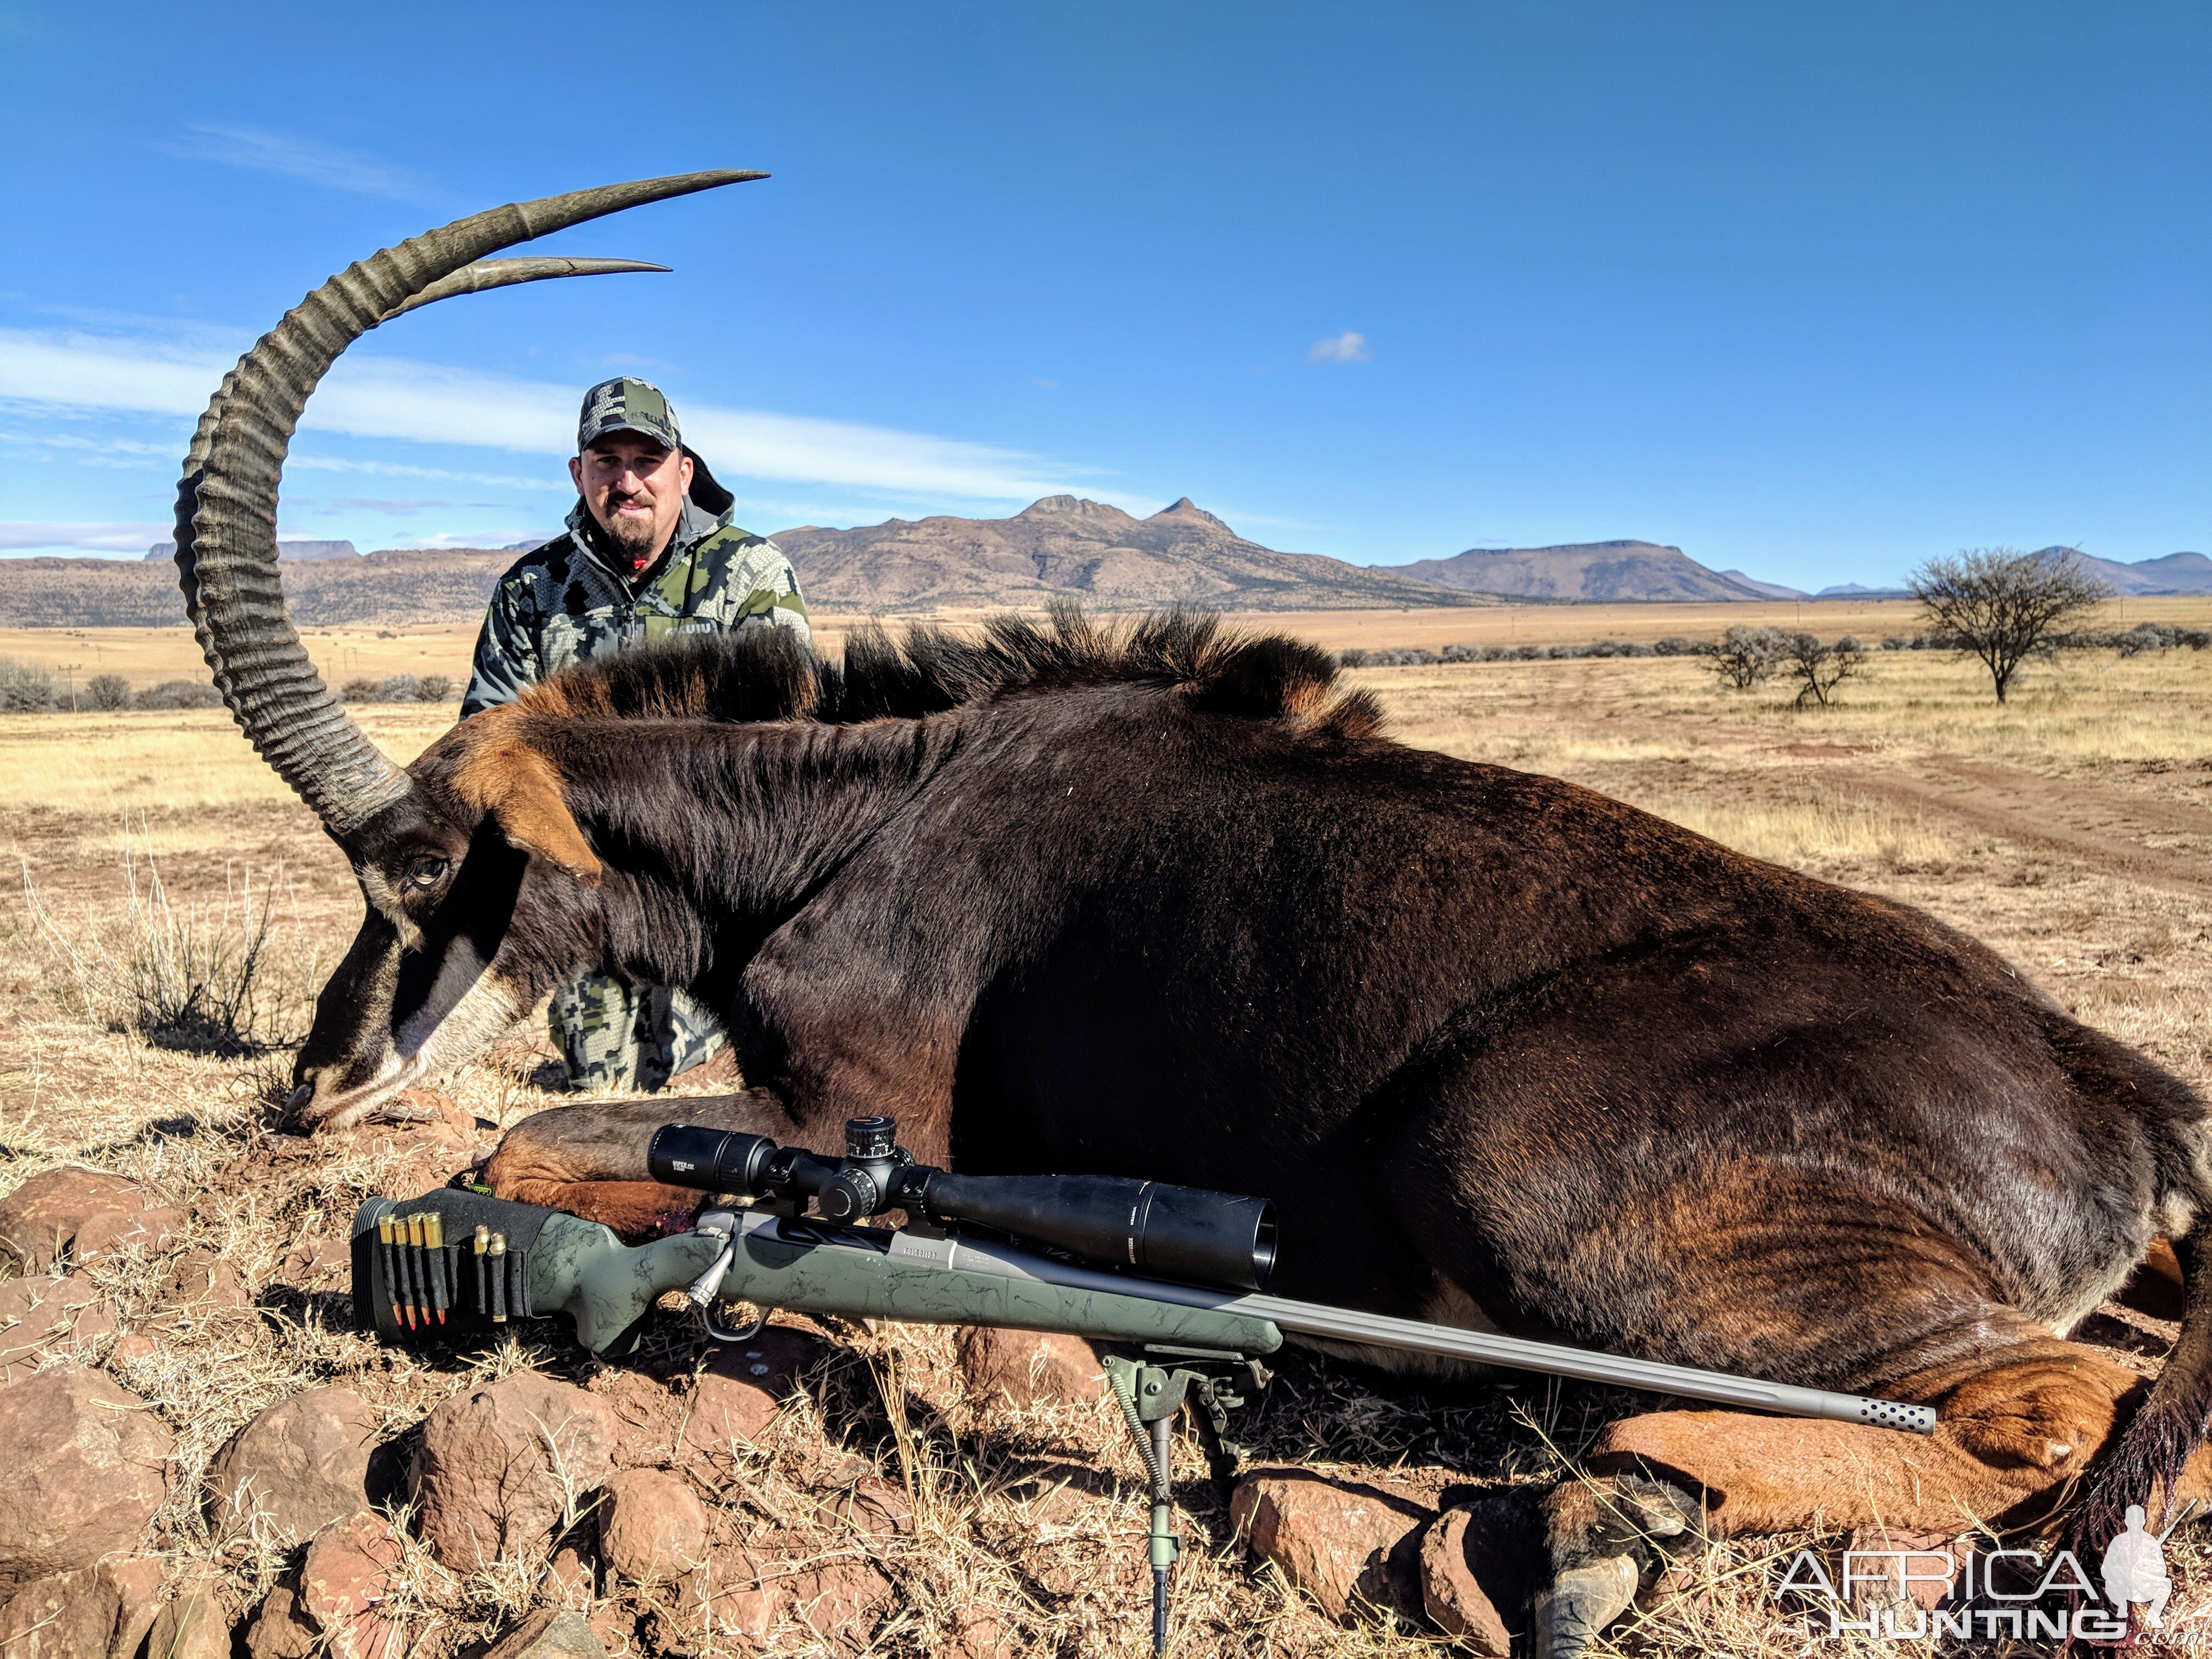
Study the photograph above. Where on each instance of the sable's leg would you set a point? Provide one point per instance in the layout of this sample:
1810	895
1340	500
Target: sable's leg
589	1159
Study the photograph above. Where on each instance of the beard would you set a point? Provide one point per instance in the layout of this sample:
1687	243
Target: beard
636	537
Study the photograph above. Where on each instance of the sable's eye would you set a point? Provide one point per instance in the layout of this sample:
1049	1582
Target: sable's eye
426	871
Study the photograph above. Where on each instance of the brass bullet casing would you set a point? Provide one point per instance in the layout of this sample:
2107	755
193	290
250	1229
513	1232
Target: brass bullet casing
483	1289
498	1279
433	1240
418	1271
385	1234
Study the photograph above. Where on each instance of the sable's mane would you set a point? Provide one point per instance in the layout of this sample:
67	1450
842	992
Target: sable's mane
766	674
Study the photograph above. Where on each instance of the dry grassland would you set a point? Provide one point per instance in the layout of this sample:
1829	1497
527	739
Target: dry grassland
2068	830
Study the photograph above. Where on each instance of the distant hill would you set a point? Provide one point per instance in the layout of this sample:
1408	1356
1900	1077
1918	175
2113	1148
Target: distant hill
1769	590
1065	547
452	584
2173	573
1589	570
161	550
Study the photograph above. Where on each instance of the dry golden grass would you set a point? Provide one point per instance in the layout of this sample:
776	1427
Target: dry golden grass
2064	829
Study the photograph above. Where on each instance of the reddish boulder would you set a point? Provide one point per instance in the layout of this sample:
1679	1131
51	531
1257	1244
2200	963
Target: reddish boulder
348	1574
1341	1543
743	1597
303	1463
193	1624
649	1417
95	1612
87	1465
202	1286
1030	1368
46	1314
652	1528
1479	1568
735	1398
282	1630
549	1633
498	1467
74	1214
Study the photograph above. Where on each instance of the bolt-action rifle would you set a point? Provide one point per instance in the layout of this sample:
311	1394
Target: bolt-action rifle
1177	1273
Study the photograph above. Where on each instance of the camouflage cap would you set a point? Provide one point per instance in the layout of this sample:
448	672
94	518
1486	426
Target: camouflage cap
624	404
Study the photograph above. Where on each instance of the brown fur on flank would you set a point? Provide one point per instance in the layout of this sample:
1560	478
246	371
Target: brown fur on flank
1160	902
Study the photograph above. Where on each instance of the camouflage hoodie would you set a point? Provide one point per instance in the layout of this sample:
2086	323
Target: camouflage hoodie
569	601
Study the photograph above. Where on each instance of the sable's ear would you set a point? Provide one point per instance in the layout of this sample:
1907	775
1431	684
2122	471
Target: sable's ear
518	787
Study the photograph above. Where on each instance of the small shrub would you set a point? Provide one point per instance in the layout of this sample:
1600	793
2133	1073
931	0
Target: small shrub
358	690
399	688
433	688
107	691
1743	657
1675	645
25	688
1819	669
1895	643
179	694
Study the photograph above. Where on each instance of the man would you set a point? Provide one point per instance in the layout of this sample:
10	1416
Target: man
650	551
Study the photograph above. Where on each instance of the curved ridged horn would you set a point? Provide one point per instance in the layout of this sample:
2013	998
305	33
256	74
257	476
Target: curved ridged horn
227	499
488	274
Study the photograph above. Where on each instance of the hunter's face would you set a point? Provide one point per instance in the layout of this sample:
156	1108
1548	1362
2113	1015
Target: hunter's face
634	489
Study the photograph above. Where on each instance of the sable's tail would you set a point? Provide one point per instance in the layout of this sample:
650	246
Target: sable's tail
2145	1464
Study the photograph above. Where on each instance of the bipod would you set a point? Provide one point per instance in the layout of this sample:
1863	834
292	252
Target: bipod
1150	1395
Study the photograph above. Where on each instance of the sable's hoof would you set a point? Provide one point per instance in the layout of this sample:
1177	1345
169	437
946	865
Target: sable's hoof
1580	1603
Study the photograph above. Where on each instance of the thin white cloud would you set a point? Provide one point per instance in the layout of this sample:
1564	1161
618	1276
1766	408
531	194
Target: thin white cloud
1349	347
554	478
291	157
19	534
64	374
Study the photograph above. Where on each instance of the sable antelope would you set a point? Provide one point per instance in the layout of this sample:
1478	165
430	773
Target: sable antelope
1166	903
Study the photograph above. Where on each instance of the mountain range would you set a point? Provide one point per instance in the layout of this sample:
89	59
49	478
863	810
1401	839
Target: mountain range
1061	547
1066	547
1591	570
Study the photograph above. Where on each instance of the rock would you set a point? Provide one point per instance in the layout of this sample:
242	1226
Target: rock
978	1633
87	1465
348	1573
649	1417
1030	1368
74	1214
95	1612
131	1348
318	1264
202	1286
193	1624
303	1463
498	1466
46	1314
1479	1568
549	1633
615	1624
1341	1543
742	1595
282	1630
652	1528
735	1398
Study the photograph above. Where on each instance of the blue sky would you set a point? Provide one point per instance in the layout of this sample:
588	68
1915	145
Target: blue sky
1812	290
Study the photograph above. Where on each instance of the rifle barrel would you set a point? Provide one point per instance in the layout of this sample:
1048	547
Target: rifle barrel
1452	1341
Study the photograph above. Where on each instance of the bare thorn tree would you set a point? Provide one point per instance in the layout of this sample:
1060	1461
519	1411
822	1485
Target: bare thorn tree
2004	607
1743	657
1819	669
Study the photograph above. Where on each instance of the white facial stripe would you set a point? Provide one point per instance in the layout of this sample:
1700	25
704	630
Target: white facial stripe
469	1009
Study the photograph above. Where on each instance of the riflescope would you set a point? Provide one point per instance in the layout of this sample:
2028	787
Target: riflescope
1182	1233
